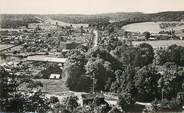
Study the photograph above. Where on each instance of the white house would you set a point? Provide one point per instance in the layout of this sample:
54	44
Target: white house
55	76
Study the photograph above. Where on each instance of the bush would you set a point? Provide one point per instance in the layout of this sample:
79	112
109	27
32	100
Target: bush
169	104
125	99
54	99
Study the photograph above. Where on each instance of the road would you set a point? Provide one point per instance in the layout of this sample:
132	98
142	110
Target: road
143	103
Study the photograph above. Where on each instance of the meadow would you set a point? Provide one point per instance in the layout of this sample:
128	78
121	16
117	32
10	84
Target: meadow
160	43
152	27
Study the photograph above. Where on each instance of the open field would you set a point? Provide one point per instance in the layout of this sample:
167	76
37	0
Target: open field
53	86
52	21
161	43
58	88
152	27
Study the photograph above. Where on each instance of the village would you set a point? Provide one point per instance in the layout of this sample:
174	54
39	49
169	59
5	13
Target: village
51	52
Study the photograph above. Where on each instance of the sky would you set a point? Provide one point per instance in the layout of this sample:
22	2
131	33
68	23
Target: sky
88	6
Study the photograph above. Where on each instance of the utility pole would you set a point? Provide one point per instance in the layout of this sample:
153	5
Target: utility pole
93	83
161	87
93	86
46	87
162	94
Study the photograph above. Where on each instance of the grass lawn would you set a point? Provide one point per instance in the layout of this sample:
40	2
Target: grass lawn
53	86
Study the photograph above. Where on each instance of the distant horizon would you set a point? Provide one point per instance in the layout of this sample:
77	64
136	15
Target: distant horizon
84	13
88	7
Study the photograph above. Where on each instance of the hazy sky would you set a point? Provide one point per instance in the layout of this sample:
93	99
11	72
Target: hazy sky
89	6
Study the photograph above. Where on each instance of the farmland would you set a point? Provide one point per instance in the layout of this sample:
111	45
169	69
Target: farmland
53	21
153	27
161	43
53	86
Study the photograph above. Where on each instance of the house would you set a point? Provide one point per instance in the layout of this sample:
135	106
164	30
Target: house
55	76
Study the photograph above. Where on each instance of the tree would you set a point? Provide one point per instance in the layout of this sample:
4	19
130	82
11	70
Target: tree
50	69
14	101
73	69
8	86
130	57
54	99
146	55
117	52
102	53
71	103
146	83
147	35
161	56
110	43
95	69
173	53
172	81
115	110
125	99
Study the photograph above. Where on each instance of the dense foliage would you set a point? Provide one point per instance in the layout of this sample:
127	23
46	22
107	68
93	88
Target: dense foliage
173	54
13	98
16	21
128	70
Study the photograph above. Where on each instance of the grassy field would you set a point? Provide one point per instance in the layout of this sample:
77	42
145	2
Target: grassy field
58	89
53	86
152	27
52	21
161	43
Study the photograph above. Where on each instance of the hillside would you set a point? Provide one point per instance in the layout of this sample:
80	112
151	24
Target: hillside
167	16
75	19
17	20
162	16
120	16
120	19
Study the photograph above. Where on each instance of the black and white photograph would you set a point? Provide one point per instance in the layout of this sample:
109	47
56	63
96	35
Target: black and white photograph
91	56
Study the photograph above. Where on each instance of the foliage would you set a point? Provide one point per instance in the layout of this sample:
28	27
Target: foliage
147	35
103	53
115	110
125	99
14	101
146	83
54	99
15	21
96	70
135	56
124	81
171	83
110	43
146	54
173	53
50	69
71	103
74	69
169	104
